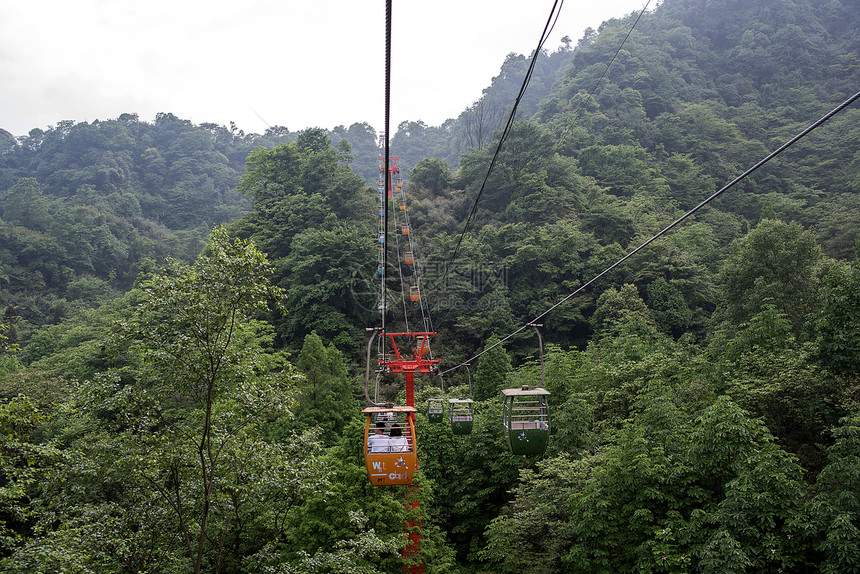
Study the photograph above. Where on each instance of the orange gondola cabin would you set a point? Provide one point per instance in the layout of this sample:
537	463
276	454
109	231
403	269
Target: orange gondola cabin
389	445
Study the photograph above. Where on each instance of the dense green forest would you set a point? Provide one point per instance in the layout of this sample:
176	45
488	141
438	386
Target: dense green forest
184	311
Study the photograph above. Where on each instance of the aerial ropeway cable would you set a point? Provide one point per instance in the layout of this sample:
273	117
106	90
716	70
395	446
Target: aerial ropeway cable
389	434
816	124
404	353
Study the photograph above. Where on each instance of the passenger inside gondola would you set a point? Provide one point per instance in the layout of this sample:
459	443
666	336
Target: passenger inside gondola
378	441
398	442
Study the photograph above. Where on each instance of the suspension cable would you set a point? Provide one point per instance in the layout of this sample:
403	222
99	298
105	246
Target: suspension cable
672	225
407	237
416	268
387	154
403	293
550	24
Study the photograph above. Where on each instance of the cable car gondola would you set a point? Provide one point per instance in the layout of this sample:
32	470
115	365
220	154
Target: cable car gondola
460	415
436	410
525	418
389	459
389	434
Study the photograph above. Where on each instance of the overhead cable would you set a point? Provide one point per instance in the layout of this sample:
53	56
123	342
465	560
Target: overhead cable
550	24
387	154
672	225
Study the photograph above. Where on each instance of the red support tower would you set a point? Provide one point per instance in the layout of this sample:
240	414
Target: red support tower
412	528
392	171
407	364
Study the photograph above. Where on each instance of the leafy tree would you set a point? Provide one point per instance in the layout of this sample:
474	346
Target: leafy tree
751	494
350	556
492	372
99	198
614	306
838	325
23	466
186	482
543	265
318	280
313	141
193	333
325	398
470	476
835	508
776	261
595	390
362	142
616	167
520	167
432	173
714	494
767	371
528	534
668	306
271	173
608	219
310	218
25	205
8	351
343	519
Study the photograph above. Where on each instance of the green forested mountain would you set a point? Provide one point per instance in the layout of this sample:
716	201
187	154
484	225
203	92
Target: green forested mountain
84	206
182	346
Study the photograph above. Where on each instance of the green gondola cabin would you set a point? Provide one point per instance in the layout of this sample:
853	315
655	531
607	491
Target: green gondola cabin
525	417
436	410
460	415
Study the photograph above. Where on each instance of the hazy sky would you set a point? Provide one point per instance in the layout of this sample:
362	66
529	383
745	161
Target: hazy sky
292	63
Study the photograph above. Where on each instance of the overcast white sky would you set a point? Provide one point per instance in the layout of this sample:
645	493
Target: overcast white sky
292	63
